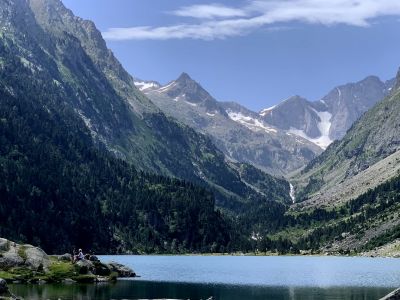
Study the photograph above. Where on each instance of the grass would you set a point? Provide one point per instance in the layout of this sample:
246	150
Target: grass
20	274
22	252
61	270
113	276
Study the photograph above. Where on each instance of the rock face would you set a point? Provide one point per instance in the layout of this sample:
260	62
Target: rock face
13	255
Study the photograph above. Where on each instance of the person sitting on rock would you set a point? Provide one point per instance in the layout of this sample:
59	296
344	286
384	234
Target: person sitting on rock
79	256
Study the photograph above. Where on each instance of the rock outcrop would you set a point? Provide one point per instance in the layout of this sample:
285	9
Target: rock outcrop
123	271
26	263
15	255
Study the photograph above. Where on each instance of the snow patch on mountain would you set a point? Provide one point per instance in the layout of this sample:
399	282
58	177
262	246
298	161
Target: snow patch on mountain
145	85
191	104
324	126
164	88
249	122
266	111
292	193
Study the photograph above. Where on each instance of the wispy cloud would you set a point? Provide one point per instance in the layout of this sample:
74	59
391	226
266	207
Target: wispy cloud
209	11
216	21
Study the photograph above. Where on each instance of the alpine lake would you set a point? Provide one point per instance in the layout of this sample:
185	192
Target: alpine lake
234	278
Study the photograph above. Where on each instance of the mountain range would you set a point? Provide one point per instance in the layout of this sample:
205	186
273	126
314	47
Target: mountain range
279	139
123	165
243	138
328	119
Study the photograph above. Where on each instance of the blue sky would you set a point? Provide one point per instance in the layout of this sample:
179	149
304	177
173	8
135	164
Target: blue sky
255	52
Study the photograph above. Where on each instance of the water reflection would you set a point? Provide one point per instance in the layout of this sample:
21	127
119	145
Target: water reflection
157	290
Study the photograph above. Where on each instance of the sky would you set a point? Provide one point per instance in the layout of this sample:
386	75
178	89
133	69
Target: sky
255	52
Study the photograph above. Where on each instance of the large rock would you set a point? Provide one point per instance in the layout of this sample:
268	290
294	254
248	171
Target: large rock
101	269
85	266
4	245
123	271
15	255
67	257
36	258
3	287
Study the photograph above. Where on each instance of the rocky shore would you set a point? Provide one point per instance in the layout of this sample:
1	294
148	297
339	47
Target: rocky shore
29	264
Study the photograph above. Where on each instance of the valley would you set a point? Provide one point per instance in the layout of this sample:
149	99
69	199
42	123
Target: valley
169	168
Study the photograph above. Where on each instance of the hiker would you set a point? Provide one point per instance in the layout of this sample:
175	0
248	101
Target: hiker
79	256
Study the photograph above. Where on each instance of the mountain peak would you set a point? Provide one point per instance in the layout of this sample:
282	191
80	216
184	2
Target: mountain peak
184	77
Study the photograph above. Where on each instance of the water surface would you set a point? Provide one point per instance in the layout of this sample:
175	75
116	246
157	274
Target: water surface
236	278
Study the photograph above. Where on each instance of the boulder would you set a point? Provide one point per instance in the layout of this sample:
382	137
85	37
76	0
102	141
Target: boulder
14	255
85	266
4	245
11	259
3	287
101	269
68	281
65	257
94	258
36	258
123	271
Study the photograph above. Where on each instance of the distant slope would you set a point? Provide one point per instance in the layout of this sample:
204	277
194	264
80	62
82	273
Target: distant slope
239	133
328	119
371	139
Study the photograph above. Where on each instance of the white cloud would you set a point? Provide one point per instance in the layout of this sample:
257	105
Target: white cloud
210	11
218	21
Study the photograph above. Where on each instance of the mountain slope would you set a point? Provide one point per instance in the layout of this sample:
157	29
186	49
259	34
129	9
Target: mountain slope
371	139
58	189
328	119
238	132
47	37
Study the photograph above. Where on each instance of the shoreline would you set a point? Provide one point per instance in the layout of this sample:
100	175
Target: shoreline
257	255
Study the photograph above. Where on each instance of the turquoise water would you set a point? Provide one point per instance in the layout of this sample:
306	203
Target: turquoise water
236	277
